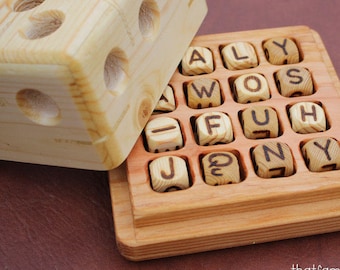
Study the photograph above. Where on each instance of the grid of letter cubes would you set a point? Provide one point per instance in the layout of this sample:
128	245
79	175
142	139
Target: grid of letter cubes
242	109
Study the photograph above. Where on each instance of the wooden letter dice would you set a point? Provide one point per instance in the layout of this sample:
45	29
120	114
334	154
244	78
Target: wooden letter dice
79	79
251	88
294	81
221	168
239	55
281	51
204	93
167	101
273	159
307	117
169	173
163	134
197	60
260	122
213	128
322	154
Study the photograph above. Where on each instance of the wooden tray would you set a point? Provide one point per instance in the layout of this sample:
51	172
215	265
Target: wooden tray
150	224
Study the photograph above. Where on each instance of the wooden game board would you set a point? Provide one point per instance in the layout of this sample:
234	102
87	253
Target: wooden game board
151	224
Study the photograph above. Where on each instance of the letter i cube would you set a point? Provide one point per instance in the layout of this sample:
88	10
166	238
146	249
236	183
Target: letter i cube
79	79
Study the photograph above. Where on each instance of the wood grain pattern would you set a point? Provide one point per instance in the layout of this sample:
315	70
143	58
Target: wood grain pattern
239	55
256	209
167	101
163	134
294	81
260	122
214	128
251	87
322	154
204	93
169	173
197	60
220	168
79	84
281	50
307	117
273	159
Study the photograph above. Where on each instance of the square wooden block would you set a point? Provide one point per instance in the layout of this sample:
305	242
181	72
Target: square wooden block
322	154
167	101
251	87
260	122
307	117
169	173
294	81
163	134
213	128
197	60
79	79
221	168
204	93
239	55
273	159
281	51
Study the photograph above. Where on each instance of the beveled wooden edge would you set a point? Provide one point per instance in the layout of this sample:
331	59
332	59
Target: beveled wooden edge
178	238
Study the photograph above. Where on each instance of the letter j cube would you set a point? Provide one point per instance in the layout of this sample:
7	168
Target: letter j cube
169	173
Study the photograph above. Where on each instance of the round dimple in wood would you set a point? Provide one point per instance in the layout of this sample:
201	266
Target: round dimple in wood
43	24
38	107
24	5
115	70
148	18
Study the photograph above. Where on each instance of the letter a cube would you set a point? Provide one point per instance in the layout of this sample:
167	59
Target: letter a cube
79	79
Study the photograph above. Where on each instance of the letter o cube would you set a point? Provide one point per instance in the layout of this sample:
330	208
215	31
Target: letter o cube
251	88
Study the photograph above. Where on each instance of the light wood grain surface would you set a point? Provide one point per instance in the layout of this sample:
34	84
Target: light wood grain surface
274	174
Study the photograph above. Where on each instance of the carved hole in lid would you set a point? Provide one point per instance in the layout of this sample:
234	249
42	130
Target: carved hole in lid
115	70
38	107
44	24
23	5
149	18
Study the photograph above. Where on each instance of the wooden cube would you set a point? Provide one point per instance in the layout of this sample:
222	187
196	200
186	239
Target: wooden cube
294	81
167	101
204	93
322	154
213	128
281	51
197	60
169	173
239	55
251	88
79	79
221	168
273	159
260	122
307	117
163	134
